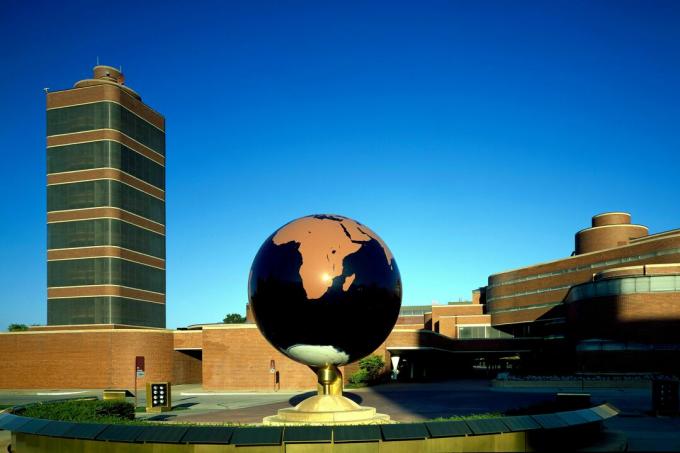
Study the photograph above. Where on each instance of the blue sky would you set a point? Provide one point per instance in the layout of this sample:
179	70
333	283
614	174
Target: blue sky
472	136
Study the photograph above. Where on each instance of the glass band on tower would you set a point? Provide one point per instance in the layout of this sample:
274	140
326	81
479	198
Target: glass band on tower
105	205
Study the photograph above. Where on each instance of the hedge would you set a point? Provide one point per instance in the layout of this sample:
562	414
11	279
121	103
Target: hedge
81	411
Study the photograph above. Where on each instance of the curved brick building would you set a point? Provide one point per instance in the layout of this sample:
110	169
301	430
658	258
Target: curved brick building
530	301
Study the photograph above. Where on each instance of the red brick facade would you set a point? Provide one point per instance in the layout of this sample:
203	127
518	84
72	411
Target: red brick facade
237	357
103	358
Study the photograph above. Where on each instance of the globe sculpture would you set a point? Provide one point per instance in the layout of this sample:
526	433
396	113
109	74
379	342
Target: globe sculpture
325	291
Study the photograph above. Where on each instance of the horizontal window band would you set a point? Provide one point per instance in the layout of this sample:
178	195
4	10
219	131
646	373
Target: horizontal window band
525	308
530	321
594	265
529	301
119	313
56	148
105	193
111	218
105	252
105	154
528	293
105	271
105	212
105	232
62	292
74	138
664	252
109	93
624	286
105	173
104	115
97	101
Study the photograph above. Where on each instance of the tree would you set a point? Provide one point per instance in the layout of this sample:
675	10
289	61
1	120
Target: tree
234	318
370	369
373	366
17	327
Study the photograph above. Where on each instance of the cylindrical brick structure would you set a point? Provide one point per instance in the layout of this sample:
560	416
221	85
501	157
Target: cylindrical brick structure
611	218
109	73
610	229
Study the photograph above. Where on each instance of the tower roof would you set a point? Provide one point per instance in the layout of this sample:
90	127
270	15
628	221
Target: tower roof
107	75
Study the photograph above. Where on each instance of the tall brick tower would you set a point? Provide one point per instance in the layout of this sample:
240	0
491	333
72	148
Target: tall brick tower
105	205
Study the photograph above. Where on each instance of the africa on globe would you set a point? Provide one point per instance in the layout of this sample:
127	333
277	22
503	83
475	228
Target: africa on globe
325	290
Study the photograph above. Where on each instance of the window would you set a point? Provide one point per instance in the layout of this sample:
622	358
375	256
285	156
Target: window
105	310
105	115
89	233
105	271
105	192
105	154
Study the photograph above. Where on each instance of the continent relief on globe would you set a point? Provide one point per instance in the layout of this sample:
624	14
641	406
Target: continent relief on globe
325	241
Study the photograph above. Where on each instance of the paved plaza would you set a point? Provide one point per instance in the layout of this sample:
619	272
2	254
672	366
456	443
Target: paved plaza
404	402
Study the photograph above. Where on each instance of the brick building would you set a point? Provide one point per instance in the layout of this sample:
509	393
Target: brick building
614	304
105	205
610	307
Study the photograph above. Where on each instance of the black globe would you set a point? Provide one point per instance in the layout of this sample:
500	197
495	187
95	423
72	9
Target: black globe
325	290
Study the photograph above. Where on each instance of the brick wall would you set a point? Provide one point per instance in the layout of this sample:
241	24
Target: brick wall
188	339
447	326
411	319
442	315
237	357
84	359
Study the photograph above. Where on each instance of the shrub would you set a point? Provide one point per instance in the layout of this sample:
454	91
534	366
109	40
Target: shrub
359	377
373	366
82	411
370	370
479	416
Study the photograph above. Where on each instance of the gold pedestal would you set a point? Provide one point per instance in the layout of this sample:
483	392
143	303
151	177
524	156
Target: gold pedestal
328	407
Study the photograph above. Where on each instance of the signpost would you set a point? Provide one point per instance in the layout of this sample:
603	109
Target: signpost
158	397
139	373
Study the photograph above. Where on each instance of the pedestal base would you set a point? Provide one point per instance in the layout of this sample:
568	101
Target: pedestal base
327	409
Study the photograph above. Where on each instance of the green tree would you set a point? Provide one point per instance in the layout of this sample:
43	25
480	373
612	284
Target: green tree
234	318
373	366
370	369
17	327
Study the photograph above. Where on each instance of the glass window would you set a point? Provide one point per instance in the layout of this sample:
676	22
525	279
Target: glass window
105	310
627	286
492	332
664	283
89	233
105	192
105	271
105	115
471	332
642	284
105	154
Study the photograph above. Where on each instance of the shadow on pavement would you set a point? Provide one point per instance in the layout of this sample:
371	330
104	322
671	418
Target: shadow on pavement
183	406
421	401
161	418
